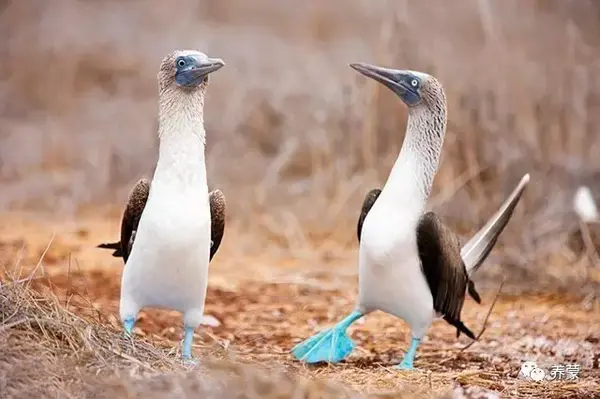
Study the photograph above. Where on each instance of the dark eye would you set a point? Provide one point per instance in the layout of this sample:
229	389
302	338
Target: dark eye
181	63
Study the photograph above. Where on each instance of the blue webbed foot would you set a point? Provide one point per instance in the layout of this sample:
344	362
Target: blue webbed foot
331	345
409	357
128	327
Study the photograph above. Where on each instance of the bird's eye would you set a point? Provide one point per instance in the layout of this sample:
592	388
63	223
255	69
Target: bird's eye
414	83
181	63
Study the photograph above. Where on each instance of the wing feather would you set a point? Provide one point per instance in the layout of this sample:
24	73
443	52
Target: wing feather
444	269
370	199
132	214
476	250
218	208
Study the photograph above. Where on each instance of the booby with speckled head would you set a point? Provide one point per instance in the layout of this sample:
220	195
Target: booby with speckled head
168	263
410	264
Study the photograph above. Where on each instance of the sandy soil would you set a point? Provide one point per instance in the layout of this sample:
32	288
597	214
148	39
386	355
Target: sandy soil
265	304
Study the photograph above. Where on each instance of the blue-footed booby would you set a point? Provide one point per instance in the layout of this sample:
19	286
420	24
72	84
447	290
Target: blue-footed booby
410	264
168	263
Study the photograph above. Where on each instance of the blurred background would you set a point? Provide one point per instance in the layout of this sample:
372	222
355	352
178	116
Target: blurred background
295	137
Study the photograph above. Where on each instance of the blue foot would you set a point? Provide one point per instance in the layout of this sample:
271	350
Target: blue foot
409	357
331	345
188	338
405	366
128	326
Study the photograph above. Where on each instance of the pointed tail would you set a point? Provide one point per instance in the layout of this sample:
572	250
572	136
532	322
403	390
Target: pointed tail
113	245
585	206
478	248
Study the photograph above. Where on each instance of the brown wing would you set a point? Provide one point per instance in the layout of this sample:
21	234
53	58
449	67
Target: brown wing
218	207
370	199
132	214
444	269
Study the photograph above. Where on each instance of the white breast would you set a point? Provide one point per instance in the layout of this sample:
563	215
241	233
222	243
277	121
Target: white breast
390	276
168	266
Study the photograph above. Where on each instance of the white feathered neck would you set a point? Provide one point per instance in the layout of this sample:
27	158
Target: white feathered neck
181	157
410	181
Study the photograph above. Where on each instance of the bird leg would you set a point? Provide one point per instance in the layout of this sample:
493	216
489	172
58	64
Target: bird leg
186	351
331	345
128	324
409	357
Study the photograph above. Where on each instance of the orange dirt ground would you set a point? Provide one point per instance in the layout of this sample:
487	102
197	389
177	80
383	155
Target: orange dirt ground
266	305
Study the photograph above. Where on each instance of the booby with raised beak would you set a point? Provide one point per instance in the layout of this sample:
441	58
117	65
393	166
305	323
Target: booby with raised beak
168	265
410	264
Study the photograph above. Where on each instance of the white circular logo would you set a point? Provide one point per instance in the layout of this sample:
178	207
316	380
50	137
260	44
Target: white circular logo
537	374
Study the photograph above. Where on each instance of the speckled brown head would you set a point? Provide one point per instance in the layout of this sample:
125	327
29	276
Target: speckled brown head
416	89
186	71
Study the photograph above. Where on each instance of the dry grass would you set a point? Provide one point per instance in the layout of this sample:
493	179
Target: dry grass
309	138
48	351
67	317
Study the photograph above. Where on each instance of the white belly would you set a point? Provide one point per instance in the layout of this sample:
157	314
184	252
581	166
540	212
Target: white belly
389	269
168	265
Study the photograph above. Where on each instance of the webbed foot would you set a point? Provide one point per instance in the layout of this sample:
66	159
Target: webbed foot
331	345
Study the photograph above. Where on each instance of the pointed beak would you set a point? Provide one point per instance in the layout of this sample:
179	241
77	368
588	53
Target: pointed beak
196	73
207	66
391	78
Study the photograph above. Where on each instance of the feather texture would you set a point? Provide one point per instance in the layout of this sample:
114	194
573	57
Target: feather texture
370	199
444	270
479	246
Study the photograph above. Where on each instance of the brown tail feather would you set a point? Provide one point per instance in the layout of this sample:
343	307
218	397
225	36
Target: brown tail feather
476	250
461	328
